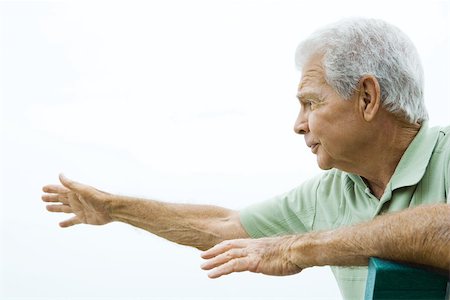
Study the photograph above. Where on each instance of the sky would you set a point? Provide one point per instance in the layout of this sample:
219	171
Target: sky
180	101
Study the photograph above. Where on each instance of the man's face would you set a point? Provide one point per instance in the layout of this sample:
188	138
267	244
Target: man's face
328	122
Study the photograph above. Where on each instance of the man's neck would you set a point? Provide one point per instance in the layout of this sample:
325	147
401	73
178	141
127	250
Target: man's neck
385	152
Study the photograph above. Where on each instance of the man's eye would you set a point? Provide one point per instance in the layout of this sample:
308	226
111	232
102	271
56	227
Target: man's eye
310	104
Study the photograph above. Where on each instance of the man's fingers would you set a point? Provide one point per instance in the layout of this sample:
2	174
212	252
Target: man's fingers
70	222
70	184
235	265
60	208
223	258
222	248
55	198
55	189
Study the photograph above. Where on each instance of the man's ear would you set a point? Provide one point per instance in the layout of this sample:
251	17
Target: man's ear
369	100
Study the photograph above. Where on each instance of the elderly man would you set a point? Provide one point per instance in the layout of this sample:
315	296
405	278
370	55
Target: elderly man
385	191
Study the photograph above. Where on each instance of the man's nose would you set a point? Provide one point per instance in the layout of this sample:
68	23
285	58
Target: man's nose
301	124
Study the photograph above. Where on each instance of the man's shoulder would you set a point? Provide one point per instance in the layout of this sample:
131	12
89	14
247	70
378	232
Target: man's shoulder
443	142
444	132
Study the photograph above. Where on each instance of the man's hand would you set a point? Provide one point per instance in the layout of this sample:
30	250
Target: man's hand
269	256
419	235
89	205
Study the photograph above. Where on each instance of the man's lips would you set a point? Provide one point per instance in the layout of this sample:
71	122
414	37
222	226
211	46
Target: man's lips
314	147
311	143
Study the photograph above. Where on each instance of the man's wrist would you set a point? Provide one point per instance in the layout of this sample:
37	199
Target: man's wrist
122	208
307	250
327	248
111	202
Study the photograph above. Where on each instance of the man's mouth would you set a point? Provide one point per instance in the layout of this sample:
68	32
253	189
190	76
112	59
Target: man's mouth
314	148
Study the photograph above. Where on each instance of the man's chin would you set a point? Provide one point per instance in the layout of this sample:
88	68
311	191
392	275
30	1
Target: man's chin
324	164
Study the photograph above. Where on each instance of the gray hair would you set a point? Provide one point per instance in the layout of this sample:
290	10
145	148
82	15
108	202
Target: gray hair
355	47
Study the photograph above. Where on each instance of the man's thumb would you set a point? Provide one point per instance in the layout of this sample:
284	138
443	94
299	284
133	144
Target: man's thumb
70	184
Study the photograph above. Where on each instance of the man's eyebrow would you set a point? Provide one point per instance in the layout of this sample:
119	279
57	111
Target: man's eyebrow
303	96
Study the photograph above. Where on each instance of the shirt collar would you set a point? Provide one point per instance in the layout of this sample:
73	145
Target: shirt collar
414	161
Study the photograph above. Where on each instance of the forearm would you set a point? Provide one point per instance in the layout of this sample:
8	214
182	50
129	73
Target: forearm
420	235
200	226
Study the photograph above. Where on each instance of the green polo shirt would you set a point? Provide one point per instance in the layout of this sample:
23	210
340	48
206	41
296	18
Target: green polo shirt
336	198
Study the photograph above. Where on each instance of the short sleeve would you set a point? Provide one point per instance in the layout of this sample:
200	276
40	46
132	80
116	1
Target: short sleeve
289	213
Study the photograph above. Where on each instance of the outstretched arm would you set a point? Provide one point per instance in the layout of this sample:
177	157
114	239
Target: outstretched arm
200	226
419	235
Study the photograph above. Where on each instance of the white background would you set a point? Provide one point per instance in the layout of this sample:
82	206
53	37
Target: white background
183	101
